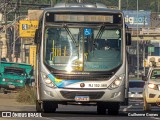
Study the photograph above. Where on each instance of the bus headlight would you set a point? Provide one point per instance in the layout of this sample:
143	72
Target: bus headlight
48	82
116	83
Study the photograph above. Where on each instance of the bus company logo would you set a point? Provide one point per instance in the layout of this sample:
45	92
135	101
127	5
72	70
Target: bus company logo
6	114
82	85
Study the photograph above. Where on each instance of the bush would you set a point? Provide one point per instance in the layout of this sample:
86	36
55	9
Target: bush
27	95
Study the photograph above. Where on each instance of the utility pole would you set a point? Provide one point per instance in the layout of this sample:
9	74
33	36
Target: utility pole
119	5
137	44
79	1
5	17
1	44
51	3
14	39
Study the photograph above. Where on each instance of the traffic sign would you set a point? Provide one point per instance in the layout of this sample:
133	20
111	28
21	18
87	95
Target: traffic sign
87	31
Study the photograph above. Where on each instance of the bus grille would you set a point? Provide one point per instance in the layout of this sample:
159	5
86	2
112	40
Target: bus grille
71	95
106	77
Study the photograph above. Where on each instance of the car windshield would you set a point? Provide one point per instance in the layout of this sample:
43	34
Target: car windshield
155	74
136	84
83	48
15	72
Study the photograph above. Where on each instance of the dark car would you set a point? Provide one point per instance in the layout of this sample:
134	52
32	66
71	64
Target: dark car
3	59
136	89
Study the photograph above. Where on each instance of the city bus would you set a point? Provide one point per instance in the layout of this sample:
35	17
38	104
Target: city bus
81	57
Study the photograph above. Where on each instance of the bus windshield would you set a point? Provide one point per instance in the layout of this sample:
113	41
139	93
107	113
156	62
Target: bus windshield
69	48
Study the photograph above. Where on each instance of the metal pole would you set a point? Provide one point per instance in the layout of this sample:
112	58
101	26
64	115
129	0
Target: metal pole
137	46
51	3
14	37
144	61
5	17
79	1
119	5
158	7
1	44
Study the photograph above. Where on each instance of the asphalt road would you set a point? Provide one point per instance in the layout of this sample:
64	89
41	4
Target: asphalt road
135	108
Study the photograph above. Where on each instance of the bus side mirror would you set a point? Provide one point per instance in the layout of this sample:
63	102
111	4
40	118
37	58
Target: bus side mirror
128	38
36	37
144	78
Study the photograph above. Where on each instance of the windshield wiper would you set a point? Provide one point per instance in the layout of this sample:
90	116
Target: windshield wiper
100	32
70	34
99	35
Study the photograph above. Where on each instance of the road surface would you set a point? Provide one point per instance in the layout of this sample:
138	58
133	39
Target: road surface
8	103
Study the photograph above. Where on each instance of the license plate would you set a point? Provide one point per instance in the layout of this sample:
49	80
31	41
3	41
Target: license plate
137	95
11	86
81	98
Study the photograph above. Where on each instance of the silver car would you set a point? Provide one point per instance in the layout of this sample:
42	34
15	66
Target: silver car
136	89
152	88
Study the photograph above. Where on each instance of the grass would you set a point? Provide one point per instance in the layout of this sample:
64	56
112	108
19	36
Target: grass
27	95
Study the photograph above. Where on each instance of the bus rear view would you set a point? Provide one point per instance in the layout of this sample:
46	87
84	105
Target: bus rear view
81	57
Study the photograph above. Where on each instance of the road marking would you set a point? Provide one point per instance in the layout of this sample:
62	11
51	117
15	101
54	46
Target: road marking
155	118
125	109
48	118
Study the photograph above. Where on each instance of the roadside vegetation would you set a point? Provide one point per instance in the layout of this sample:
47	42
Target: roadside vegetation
27	95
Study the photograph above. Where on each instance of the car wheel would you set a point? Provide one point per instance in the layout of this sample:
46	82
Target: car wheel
4	90
146	106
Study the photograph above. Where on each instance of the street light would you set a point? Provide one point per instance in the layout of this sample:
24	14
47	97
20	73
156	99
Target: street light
137	46
1	44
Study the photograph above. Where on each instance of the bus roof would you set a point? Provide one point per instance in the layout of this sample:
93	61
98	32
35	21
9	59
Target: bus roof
81	7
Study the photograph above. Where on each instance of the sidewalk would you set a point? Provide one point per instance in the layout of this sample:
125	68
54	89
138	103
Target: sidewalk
8	103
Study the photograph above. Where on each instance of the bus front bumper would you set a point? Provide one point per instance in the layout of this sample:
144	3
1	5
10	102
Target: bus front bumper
93	95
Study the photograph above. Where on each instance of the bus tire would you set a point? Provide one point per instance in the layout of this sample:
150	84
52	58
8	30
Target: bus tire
38	106
113	109
101	108
49	106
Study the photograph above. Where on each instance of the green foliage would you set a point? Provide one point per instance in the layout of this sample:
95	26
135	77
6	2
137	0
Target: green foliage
27	95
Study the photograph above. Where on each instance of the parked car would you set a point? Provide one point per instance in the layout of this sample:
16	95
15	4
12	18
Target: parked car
15	76
151	92
136	89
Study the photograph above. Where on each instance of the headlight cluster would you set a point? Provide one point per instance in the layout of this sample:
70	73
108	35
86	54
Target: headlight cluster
4	79
153	86
8	80
47	80
116	83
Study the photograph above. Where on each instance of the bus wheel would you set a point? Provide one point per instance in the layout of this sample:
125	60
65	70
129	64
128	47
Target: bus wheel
38	106
101	109
146	106
113	109
49	106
